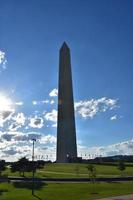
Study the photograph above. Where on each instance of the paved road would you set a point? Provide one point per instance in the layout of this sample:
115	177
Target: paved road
125	197
67	180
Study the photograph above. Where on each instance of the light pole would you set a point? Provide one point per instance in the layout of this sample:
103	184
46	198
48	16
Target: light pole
33	165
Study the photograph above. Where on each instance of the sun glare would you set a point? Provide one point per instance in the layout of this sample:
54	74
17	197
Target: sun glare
5	103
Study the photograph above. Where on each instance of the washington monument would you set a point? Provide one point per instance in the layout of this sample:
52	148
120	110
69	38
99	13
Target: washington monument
66	131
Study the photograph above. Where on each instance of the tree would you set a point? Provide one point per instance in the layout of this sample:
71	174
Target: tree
121	166
22	165
2	166
15	167
40	164
92	175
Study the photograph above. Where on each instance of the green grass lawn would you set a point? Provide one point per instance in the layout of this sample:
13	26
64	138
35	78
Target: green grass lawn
69	170
65	191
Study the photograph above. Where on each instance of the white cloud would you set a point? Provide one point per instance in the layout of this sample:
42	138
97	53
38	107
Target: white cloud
36	122
5	116
114	117
53	93
45	101
54	125
90	108
20	144
121	148
17	144
8	113
10	151
18	121
48	139
52	101
20	103
14	126
5	103
51	116
20	118
2	56
20	137
3	61
33	135
7	136
34	102
6	109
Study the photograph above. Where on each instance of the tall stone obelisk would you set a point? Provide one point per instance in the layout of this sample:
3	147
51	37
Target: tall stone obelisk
66	132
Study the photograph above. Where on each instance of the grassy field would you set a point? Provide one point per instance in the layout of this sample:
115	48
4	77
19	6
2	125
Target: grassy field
70	170
67	191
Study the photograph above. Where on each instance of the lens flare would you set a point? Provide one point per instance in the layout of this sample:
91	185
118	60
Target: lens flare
5	103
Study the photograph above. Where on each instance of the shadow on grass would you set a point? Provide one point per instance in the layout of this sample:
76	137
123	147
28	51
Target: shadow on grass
29	185
37	197
114	182
94	193
2	191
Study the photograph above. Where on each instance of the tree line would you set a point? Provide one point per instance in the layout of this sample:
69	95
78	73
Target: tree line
22	165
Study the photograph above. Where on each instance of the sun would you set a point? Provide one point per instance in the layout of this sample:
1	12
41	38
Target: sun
5	103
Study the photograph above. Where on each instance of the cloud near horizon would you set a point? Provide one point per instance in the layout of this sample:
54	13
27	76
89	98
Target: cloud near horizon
120	148
16	126
20	144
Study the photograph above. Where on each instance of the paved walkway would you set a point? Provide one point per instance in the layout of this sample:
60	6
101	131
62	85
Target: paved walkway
125	197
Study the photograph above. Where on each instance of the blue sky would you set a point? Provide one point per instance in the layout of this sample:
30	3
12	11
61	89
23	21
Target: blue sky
99	34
